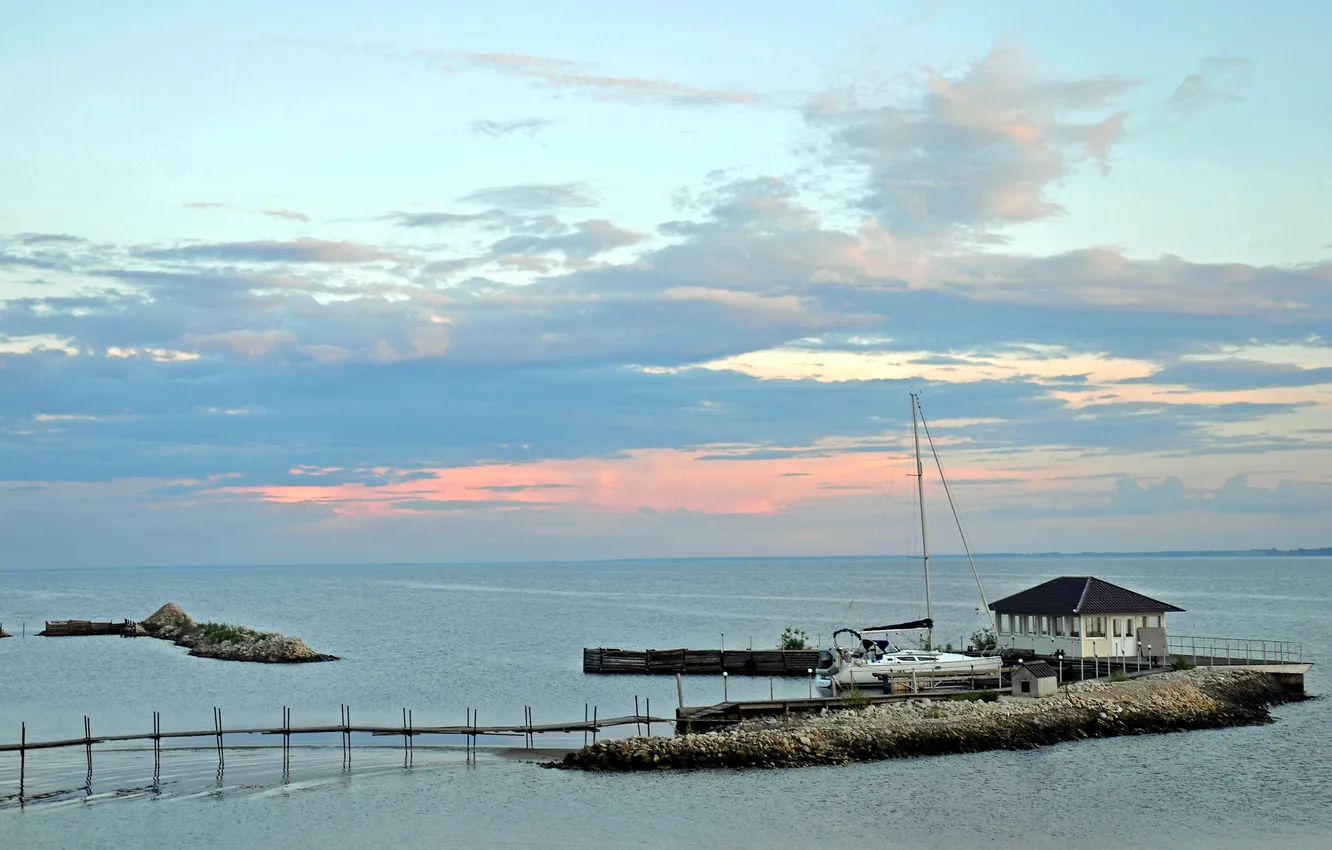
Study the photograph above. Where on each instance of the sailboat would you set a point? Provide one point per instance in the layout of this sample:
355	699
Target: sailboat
873	659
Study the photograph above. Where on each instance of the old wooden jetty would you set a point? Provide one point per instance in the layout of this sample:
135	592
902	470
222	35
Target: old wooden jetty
735	662
84	628
470	731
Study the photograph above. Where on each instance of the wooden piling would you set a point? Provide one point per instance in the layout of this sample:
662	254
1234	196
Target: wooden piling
637	727
157	748
23	759
87	744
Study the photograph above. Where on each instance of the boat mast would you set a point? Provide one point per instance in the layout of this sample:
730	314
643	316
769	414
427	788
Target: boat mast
924	541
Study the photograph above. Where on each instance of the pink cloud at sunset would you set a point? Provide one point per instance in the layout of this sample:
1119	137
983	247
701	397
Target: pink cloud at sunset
658	480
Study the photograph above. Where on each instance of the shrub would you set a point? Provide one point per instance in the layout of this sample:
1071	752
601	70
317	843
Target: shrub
853	697
1181	664
1119	676
984	639
793	639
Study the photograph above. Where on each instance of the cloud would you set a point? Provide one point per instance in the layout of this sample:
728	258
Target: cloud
287	214
588	239
298	251
528	127
1214	82
976	150
532	196
48	239
1236	495
579	78
1233	374
257	358
207	205
523	488
440	219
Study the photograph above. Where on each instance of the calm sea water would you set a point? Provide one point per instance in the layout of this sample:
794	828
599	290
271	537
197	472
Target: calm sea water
440	639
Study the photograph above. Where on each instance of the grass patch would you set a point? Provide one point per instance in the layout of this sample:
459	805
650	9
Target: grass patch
227	633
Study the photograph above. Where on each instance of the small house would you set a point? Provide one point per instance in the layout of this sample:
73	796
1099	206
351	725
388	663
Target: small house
1035	679
1085	617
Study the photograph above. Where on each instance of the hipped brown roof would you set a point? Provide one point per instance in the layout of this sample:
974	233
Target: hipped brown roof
1079	595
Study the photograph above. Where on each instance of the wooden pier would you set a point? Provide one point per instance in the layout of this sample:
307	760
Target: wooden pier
735	662
85	628
471	731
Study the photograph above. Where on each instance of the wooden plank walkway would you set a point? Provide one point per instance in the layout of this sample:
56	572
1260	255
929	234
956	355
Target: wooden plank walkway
735	662
396	731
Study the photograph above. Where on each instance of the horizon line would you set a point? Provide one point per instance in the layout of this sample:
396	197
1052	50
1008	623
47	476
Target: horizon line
1320	551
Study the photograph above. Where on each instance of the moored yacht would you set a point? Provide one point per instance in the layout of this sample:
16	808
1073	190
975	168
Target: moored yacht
873	659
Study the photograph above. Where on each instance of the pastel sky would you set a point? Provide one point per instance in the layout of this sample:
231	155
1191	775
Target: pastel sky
297	282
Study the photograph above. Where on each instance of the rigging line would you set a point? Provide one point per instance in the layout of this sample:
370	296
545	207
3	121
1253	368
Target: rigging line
966	546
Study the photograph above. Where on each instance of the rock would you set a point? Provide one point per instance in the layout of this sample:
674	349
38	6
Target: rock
226	642
1158	703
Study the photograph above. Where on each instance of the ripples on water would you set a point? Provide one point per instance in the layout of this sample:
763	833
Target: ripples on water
496	638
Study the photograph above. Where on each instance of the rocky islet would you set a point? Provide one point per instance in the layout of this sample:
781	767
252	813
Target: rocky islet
227	642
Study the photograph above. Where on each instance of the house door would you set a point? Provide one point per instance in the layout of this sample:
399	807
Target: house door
1121	641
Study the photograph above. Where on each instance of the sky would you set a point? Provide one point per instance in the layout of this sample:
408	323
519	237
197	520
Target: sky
296	282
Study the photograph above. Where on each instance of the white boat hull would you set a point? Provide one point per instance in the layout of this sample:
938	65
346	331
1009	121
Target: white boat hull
862	671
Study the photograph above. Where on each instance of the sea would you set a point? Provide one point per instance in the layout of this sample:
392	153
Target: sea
448	640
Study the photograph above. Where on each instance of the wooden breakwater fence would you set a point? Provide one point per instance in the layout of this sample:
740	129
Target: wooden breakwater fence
86	628
471	731
735	662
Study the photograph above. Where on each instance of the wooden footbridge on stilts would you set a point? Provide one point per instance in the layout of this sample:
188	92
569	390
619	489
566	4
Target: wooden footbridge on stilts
471	731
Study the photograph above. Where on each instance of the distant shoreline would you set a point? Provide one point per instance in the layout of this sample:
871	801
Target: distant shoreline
1324	552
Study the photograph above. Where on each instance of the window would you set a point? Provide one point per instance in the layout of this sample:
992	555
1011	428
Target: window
1095	626
1026	686
1006	623
1128	627
1043	624
1119	627
1153	622
1075	627
1059	626
1022	624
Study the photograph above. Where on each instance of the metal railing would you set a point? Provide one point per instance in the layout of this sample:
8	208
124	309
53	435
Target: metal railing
1233	652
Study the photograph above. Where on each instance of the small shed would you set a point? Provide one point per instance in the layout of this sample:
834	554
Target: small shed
1035	679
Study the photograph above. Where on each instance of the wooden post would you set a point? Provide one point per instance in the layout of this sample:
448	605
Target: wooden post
87	743
594	724
157	748
585	719
649	716
679	689
217	727
638	730
23	759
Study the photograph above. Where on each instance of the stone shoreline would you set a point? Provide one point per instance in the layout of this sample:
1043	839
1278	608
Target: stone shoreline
1208	698
227	642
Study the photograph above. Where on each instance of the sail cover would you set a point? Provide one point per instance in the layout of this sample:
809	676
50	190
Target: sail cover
926	623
